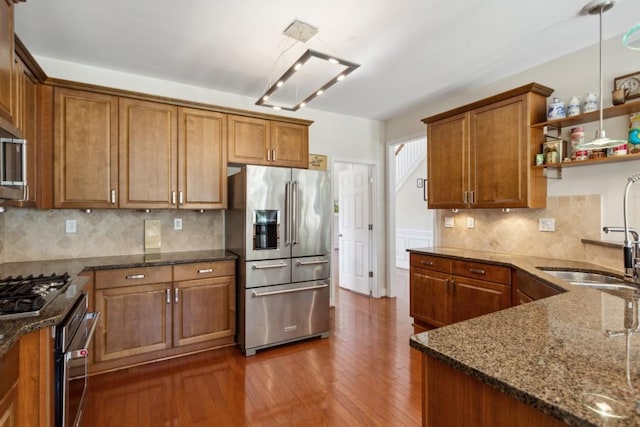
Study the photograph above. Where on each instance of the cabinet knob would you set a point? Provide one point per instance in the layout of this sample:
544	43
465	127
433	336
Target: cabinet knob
205	270
429	263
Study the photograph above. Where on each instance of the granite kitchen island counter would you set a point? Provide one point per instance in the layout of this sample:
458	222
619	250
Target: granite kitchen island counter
11	330
552	354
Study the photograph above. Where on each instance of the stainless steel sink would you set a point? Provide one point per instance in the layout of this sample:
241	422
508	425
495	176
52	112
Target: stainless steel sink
592	280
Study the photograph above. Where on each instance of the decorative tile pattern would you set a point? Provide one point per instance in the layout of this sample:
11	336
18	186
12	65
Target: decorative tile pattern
29	234
576	218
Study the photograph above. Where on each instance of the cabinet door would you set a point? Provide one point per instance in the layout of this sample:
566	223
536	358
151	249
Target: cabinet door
202	154
448	162
473	298
6	60
134	320
29	132
85	149
249	140
499	150
289	145
204	310
429	299
147	154
9	408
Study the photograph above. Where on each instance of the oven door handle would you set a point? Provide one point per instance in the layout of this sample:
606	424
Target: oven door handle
267	266
287	291
83	351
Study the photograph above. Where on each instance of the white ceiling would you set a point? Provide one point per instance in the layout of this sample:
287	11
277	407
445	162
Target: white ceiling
409	50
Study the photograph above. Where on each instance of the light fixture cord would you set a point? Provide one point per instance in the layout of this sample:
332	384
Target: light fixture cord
600	67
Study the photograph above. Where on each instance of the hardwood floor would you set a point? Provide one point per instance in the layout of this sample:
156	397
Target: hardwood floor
364	374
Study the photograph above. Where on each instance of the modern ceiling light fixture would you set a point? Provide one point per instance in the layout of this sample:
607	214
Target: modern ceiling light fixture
308	77
601	140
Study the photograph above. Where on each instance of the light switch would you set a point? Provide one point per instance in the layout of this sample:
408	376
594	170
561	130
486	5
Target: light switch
177	223
471	222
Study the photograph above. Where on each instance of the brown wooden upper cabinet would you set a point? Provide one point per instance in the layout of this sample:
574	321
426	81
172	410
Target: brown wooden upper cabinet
120	152
6	61
85	149
267	142
202	159
148	154
481	155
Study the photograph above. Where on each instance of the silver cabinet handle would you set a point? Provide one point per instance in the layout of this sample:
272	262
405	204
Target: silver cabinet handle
168	295
267	266
113	197
477	271
322	261
464	197
429	263
135	276
273	155
473	197
205	270
268	155
287	291
173	197
176	295
181	197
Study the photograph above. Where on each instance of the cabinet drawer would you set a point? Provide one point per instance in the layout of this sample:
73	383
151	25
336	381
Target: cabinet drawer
202	270
478	270
430	262
132	276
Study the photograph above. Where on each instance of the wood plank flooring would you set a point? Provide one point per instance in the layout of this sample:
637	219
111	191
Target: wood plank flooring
365	374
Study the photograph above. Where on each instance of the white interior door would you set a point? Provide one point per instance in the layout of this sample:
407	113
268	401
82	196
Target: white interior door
354	219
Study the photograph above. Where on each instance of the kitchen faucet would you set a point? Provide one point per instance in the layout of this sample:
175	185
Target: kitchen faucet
631	249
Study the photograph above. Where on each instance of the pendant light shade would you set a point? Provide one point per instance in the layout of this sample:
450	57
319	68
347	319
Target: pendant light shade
599	7
631	39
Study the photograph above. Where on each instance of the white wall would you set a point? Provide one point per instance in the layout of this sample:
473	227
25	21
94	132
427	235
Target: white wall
346	138
411	209
573	74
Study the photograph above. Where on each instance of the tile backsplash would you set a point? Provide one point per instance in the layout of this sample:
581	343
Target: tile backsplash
576	218
29	234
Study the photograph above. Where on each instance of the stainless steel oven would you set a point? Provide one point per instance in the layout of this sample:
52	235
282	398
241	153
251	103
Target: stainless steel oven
72	346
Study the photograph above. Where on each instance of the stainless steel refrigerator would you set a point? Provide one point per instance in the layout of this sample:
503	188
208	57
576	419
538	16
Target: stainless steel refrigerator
279	224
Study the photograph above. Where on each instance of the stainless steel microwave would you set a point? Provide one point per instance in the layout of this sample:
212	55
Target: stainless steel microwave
13	168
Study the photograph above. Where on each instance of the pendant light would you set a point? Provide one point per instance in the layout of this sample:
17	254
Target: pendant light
601	141
632	38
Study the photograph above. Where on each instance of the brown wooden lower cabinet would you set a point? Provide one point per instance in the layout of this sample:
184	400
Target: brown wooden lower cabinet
444	291
452	398
152	313
26	382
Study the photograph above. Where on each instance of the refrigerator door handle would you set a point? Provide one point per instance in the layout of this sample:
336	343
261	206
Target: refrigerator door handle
294	208
287	214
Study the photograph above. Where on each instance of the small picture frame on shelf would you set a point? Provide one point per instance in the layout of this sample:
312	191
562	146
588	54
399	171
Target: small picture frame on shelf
630	82
553	151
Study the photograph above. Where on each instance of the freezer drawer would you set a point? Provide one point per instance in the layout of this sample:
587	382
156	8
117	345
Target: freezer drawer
310	268
265	273
279	314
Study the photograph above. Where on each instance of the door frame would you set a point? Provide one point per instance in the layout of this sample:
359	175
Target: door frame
377	220
390	161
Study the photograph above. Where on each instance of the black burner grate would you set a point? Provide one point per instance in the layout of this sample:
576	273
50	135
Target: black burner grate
29	294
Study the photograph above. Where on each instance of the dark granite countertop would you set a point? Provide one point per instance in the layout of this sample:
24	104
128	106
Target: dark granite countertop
12	330
553	353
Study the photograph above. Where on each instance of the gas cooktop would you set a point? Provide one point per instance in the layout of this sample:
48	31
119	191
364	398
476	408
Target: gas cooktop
27	296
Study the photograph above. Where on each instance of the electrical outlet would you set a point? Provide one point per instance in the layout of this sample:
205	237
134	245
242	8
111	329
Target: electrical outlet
177	223
546	224
448	222
70	226
471	222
